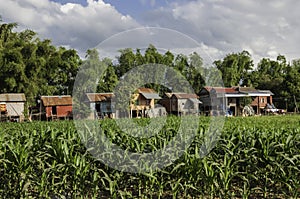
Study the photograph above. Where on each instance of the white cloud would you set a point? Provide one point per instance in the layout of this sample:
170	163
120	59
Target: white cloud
265	28
70	24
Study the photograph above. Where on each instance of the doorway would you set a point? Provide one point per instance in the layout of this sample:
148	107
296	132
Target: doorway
54	110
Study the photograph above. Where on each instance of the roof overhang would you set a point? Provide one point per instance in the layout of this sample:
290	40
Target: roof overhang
259	94
151	95
195	100
236	95
249	95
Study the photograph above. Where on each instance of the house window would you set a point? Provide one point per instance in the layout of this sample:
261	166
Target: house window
262	100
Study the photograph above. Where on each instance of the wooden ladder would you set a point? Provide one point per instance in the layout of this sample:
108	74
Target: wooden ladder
54	117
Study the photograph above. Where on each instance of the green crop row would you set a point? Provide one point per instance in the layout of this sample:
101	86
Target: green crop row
255	157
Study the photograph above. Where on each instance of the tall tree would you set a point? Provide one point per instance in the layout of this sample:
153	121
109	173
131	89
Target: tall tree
270	75
126	61
291	85
195	72
235	68
34	66
109	80
152	56
168	59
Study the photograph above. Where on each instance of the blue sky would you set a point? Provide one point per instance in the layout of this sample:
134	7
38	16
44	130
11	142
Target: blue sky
126	7
136	8
264	28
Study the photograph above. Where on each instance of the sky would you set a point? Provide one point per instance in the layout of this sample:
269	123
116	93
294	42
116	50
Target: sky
263	28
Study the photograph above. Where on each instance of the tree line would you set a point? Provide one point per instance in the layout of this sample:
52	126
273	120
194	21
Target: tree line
36	67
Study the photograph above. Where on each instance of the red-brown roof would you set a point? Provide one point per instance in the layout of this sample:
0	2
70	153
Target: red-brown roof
56	100
221	89
225	90
146	90
182	95
98	97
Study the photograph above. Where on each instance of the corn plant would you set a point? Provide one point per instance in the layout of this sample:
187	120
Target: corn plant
255	157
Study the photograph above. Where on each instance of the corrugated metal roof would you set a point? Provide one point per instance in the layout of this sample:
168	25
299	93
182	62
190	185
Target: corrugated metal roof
12	97
253	91
98	97
266	91
194	100
151	95
245	89
56	100
239	91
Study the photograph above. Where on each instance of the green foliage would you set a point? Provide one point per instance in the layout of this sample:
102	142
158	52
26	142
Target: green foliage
34	67
235	68
271	74
292	82
109	80
191	67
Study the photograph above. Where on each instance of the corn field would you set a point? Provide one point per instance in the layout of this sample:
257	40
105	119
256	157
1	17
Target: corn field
255	157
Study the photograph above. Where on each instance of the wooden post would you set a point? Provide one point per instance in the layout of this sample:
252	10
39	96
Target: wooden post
296	106
258	108
170	105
